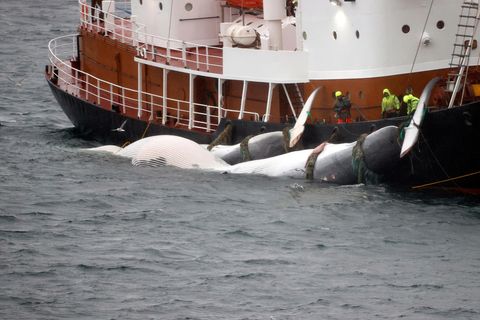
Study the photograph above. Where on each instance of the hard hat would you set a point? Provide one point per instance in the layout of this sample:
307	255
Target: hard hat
386	91
338	94
407	98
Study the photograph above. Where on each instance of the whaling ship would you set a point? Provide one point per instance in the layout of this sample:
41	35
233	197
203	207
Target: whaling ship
192	68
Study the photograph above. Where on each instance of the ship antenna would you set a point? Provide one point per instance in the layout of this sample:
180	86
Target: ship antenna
420	42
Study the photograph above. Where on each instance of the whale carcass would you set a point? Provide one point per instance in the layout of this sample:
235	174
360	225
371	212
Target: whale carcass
345	163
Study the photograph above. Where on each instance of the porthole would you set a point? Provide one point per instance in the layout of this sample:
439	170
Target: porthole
335	35
304	34
160	6
440	24
188	6
141	2
357	34
360	94
406	28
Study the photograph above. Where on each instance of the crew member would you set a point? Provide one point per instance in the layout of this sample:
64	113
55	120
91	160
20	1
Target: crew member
342	108
291	6
411	102
390	105
97	4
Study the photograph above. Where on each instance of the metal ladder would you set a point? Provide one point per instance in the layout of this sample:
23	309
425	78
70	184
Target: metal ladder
467	27
295	98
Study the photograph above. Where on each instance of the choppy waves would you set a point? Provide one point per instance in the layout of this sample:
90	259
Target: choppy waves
91	237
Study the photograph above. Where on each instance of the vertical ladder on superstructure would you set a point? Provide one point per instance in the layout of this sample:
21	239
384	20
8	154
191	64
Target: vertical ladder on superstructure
467	27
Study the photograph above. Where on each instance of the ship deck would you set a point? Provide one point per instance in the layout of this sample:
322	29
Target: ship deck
169	52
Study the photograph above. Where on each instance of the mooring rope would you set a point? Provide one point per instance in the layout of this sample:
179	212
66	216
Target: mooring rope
223	138
286	140
244	151
146	128
360	169
312	160
310	165
446	180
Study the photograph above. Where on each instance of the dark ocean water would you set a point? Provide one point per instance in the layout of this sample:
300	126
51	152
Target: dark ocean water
86	236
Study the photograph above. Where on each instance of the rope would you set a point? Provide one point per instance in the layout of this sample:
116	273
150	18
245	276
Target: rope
244	148
420	41
310	165
223	138
446	180
401	130
333	135
364	175
312	160
146	128
286	140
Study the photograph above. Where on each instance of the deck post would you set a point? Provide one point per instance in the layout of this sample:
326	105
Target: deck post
244	98
139	89
164	95
191	92
90	19
168	51
108	8
123	101
207	62
220	99
271	87
184	54
86	87
99	92
111	95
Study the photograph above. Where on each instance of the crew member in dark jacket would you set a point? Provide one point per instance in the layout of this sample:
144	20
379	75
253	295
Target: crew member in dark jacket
342	108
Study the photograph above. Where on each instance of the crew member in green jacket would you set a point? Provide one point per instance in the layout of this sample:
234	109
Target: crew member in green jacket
390	104
411	102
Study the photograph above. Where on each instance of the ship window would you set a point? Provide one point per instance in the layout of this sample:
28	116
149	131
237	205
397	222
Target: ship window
335	35
357	34
440	24
188	6
406	28
141	2
160	6
304	34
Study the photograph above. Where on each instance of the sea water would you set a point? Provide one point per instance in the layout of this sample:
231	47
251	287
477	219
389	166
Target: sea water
89	236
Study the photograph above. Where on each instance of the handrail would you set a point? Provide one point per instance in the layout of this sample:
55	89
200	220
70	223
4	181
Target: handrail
188	54
109	95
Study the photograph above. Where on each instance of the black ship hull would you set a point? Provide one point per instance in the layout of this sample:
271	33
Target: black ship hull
447	154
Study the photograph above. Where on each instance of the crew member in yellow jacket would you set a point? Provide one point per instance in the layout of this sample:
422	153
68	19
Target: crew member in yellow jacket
411	102
390	105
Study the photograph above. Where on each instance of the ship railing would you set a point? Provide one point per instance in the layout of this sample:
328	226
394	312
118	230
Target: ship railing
113	21
179	53
125	29
143	105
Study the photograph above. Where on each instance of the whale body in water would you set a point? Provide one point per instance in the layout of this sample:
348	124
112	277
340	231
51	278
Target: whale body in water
261	146
378	153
